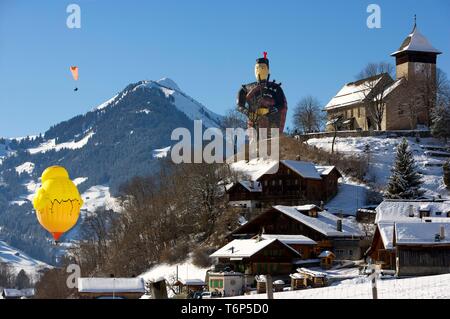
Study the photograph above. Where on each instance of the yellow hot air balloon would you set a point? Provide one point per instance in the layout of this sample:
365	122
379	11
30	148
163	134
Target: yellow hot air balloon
57	202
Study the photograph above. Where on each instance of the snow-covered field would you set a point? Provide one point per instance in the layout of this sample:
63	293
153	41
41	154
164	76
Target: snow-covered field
97	197
429	287
382	151
19	260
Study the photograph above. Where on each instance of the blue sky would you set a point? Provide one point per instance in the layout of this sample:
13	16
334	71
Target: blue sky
207	47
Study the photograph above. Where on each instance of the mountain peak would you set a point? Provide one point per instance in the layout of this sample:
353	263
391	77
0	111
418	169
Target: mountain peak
169	83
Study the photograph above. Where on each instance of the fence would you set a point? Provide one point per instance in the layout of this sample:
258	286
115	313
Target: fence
429	287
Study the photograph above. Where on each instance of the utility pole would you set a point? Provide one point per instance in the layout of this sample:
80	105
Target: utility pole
269	288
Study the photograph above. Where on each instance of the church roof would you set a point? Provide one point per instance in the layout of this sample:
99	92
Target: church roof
354	92
417	42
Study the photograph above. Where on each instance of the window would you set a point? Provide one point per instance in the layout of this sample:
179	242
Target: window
266	183
350	252
273	183
289	171
359	112
280	182
438	213
351	113
296	182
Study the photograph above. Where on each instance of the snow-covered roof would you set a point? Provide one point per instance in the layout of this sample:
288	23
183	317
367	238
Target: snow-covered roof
307	207
304	169
297	276
400	210
245	248
192	282
387	234
255	168
421	233
417	42
94	285
324	170
325	253
353	92
392	87
324	223
291	239
252	186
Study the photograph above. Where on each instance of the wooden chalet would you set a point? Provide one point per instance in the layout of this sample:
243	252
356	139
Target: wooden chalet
420	219
257	256
327	230
412	248
286	182
188	286
306	247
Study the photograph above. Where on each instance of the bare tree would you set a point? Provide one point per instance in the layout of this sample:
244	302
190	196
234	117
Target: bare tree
308	115
375	80
234	119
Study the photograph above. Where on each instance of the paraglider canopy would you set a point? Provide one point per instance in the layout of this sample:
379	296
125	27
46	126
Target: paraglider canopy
74	70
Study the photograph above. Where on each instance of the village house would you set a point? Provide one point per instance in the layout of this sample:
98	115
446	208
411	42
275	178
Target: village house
226	283
404	103
111	288
412	236
257	256
338	235
188	286
286	182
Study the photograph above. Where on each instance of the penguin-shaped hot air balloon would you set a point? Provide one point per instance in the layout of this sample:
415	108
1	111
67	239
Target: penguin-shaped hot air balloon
57	202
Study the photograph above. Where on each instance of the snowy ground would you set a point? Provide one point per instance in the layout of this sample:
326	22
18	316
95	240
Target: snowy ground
19	260
382	154
351	196
429	287
97	197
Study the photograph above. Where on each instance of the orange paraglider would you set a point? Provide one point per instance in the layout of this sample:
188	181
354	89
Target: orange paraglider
74	70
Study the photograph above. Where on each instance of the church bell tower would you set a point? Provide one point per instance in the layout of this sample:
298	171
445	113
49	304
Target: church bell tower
416	57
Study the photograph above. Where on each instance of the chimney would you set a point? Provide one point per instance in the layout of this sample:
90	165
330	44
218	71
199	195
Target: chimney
442	232
411	211
232	250
339	225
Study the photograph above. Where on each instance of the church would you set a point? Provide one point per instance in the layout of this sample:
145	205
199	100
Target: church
380	102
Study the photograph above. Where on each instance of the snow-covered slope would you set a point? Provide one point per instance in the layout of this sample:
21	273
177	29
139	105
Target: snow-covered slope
382	151
19	260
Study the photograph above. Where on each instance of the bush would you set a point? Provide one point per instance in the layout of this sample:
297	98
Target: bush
200	257
175	254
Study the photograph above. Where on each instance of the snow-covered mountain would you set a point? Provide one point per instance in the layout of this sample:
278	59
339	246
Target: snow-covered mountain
127	135
18	260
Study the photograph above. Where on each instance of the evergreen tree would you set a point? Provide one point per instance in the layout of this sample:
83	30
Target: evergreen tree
447	174
22	280
441	122
405	180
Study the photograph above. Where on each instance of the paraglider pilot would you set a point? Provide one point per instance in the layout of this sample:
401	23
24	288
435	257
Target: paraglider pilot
263	101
